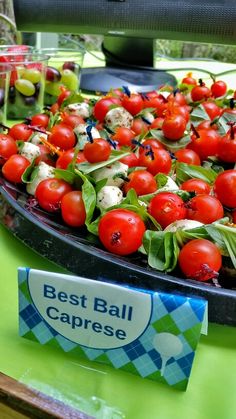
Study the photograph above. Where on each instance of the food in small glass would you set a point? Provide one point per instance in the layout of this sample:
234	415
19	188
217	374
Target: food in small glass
26	87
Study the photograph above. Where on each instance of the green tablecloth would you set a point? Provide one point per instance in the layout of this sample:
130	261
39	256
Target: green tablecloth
98	389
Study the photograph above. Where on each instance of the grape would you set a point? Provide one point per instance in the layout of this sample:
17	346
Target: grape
52	74
2	94
71	65
25	87
69	79
12	94
32	75
30	100
53	88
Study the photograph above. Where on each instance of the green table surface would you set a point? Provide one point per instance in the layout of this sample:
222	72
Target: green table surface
100	390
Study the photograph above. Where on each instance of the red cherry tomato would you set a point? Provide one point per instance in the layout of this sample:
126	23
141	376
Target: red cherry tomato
40	120
227	147
173	127
133	103
20	132
139	126
63	95
121	231
14	168
218	88
131	160
141	181
150	143
189	80
200	259
200	92
66	158
225	188
188	156
198	186
205	209
98	150
157	123
72	120
167	207
62	136
123	136
158	161
212	109
8	147
102	106
206	144
73	209
49	193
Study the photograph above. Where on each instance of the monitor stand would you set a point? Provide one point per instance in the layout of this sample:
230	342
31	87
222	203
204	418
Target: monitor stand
103	79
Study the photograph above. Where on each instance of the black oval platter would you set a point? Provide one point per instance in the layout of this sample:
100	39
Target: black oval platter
81	254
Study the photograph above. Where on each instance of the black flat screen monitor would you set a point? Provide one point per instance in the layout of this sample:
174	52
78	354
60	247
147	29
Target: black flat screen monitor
129	28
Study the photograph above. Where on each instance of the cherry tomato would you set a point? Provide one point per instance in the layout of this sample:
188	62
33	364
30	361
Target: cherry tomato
49	193
189	80
198	186
218	88
158	161
121	231
167	207
212	109
141	181
98	150
102	106
133	103
20	132
200	92
66	158
173	127
206	144
72	120
123	136
7	147
73	209
14	168
156	101
225	188
186	155
139	126
200	259
157	123
131	160
65	93
227	147
62	136
207	125
205	209
40	120
150	143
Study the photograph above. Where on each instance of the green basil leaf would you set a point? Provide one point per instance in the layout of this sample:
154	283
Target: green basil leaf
74	97
89	197
223	122
186	171
199	114
29	173
153	243
171	145
171	251
66	175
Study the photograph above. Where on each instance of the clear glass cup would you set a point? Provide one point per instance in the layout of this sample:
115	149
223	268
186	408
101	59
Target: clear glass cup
27	81
16	47
63	71
5	71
